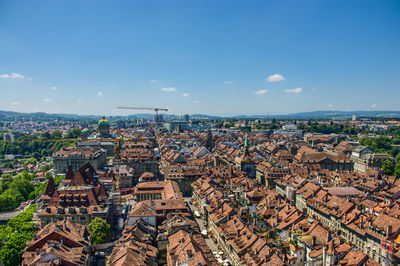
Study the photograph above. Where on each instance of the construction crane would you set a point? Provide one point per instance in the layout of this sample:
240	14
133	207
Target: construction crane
156	118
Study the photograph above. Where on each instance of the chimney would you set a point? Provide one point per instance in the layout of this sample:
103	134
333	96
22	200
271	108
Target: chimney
361	221
328	237
189	253
314	240
388	230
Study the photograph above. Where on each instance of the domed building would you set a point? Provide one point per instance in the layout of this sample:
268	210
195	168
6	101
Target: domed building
85	133
103	128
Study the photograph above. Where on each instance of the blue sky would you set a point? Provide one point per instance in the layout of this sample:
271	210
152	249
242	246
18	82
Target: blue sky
212	57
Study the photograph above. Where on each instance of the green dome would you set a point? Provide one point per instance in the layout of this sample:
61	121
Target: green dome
103	122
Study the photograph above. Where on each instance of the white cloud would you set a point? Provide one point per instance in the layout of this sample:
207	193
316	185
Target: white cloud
169	89
152	81
259	92
54	88
46	99
29	78
12	76
275	78
100	93
297	90
79	101
196	101
228	82
14	103
330	105
185	94
374	105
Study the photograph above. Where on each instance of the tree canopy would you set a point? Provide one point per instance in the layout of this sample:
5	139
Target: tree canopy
388	167
14	236
74	133
99	231
14	190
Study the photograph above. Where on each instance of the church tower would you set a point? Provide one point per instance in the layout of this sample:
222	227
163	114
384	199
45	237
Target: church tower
209	141
245	162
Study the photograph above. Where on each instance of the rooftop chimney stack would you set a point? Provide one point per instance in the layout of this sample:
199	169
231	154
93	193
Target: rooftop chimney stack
388	230
314	240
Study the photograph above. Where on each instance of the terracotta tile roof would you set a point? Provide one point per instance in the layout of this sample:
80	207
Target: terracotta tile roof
142	209
354	258
63	239
187	248
133	253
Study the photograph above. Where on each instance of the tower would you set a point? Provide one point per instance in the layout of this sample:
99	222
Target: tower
209	141
245	162
103	127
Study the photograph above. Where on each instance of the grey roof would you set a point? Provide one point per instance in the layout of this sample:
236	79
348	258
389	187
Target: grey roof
360	148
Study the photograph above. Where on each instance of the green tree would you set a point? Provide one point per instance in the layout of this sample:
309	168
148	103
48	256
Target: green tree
56	134
273	126
14	236
397	170
45	135
388	167
99	231
12	251
74	133
14	190
398	158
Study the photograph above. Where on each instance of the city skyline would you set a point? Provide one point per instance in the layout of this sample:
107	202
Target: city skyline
224	58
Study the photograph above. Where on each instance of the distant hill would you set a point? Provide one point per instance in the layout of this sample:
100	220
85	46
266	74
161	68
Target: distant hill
342	114
327	115
9	116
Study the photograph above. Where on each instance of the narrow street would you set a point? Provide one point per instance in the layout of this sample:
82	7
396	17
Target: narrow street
201	223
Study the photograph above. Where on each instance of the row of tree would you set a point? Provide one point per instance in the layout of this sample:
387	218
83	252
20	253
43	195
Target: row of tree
328	128
382	144
14	235
39	146
14	190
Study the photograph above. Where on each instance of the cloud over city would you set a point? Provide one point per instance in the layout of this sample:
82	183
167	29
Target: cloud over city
275	78
260	92
168	89
12	76
296	90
